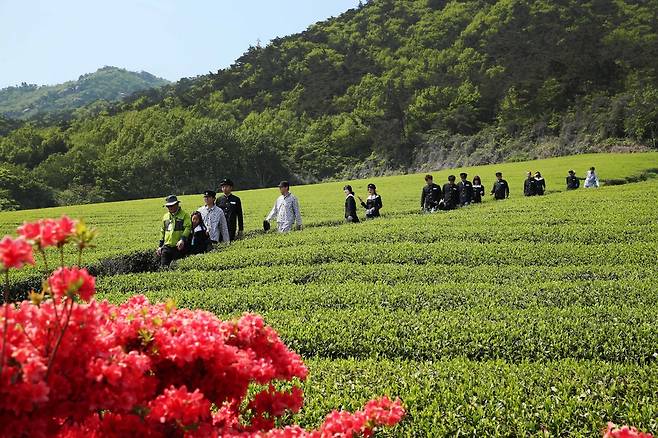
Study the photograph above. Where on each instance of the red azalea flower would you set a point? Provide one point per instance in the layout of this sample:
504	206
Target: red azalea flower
31	231
624	432
48	232
66	282
14	253
65	227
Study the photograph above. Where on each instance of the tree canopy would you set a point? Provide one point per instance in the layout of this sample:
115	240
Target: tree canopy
382	87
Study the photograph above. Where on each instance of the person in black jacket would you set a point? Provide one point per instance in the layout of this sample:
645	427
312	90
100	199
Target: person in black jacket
373	203
573	182
500	188
431	196
199	239
450	194
540	184
478	190
232	208
529	185
350	205
465	190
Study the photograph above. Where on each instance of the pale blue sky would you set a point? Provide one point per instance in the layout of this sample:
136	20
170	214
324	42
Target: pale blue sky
52	41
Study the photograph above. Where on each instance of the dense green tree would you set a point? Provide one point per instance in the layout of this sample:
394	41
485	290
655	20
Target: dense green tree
381	87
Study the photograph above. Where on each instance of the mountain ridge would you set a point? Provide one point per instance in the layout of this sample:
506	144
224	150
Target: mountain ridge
107	83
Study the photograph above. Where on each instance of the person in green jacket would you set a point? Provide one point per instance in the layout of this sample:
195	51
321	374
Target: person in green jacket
176	228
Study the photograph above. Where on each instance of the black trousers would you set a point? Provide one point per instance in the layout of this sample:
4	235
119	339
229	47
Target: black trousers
169	254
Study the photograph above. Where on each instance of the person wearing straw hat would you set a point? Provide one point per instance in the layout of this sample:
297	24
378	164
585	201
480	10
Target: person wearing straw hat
175	230
285	210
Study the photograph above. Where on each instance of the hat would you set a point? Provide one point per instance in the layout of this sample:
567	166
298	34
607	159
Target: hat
284	184
209	194
266	225
372	186
171	200
226	182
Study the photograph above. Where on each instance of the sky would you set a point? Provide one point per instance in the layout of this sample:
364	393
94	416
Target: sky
48	42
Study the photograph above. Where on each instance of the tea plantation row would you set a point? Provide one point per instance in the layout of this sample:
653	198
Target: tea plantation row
529	316
130	226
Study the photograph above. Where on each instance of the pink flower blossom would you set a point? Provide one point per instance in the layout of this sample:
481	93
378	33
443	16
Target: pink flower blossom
14	253
624	432
68	282
48	232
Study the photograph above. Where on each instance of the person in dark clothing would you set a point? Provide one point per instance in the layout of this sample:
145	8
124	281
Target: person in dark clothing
500	188
350	205
573	182
450	194
373	203
431	196
465	190
232	208
540	184
199	238
478	190
529	185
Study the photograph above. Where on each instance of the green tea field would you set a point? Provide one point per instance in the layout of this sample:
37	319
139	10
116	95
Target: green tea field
524	317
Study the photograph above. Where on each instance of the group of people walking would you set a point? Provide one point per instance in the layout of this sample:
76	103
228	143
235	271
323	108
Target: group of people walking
372	204
453	195
591	180
222	220
214	222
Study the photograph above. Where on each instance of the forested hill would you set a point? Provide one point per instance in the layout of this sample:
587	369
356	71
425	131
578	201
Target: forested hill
392	85
106	84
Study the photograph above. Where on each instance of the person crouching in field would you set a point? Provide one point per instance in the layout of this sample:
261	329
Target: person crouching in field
199	239
373	202
286	210
175	230
500	188
214	219
350	205
431	195
450	194
478	190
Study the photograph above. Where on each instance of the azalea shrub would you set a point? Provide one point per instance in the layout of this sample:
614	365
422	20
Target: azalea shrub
613	431
71	366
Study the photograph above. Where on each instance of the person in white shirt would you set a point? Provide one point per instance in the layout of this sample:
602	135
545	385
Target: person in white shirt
591	180
285	210
214	219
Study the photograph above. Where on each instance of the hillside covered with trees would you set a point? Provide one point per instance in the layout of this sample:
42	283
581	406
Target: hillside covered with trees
47	102
393	85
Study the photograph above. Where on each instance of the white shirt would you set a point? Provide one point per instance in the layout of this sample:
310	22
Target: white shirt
286	210
591	180
215	222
